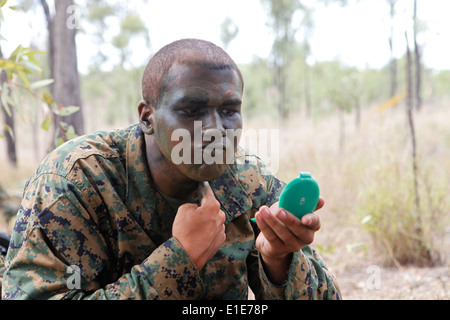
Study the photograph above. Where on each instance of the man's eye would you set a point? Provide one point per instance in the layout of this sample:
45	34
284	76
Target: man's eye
229	112
192	111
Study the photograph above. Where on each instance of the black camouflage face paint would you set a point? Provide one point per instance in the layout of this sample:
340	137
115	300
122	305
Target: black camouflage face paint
198	93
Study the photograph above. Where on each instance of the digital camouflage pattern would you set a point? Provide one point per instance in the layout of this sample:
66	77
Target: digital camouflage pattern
92	204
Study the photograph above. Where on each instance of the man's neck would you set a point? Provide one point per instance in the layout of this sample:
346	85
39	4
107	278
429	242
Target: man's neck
167	178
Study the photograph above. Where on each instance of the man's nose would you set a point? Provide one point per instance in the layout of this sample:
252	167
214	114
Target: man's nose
214	122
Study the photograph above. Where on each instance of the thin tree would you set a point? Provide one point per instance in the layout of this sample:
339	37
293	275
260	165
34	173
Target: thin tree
62	27
417	60
281	13
228	31
410	114
393	62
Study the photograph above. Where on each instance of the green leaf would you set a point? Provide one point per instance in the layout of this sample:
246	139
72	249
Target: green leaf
63	126
4	98
32	59
366	219
46	123
33	52
65	111
16	51
41	83
48	98
3	2
29	67
324	250
24	78
59	142
8	64
70	133
9	129
6	107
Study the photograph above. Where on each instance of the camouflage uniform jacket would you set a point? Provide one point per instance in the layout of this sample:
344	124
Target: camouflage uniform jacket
91	210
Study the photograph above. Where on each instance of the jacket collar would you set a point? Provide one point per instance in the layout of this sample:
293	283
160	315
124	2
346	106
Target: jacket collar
231	195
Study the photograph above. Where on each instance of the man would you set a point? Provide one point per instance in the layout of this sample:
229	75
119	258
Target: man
116	215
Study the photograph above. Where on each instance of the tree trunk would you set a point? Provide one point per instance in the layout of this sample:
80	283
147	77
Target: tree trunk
418	83
393	70
410	109
393	62
65	68
51	40
307	87
10	142
418	100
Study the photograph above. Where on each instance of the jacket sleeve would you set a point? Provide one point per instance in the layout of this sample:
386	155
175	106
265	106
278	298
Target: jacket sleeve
308	279
56	252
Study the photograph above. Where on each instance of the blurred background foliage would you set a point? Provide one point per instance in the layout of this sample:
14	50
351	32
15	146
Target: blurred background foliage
348	125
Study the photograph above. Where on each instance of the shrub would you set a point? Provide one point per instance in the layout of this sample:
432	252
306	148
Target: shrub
403	232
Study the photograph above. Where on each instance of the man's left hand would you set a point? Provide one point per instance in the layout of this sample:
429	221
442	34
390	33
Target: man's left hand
281	235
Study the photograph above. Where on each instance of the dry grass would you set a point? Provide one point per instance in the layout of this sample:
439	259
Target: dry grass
379	150
372	177
369	217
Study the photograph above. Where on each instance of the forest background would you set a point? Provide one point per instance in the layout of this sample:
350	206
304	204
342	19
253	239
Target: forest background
375	135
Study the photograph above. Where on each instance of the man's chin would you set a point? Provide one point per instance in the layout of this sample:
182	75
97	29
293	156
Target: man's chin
205	172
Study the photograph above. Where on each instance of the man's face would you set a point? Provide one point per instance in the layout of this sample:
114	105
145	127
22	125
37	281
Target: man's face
199	99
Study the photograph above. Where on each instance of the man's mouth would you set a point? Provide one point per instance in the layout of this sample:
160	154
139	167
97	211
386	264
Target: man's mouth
218	145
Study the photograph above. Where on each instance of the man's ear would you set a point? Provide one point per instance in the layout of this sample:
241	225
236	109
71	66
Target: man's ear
146	117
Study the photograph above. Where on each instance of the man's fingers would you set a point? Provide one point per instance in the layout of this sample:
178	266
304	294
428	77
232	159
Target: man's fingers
205	193
273	228
282	232
201	189
320	204
263	217
209	202
283	226
312	221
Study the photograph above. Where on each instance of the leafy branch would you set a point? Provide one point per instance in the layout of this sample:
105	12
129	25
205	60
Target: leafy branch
18	68
16	72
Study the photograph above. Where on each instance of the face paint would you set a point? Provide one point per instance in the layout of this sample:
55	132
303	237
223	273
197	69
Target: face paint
205	102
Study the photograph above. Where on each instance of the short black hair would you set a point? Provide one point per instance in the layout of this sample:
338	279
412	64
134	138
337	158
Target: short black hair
181	51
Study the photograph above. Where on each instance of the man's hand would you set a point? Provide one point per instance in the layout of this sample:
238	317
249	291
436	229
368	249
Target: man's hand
200	229
281	235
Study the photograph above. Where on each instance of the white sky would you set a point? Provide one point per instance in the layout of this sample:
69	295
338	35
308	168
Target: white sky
356	34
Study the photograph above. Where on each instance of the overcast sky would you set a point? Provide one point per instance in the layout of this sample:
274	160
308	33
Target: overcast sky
356	34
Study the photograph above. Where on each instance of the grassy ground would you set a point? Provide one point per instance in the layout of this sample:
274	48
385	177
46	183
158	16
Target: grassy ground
370	224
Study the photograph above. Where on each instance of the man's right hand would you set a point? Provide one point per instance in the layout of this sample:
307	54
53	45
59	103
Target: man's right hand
200	229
